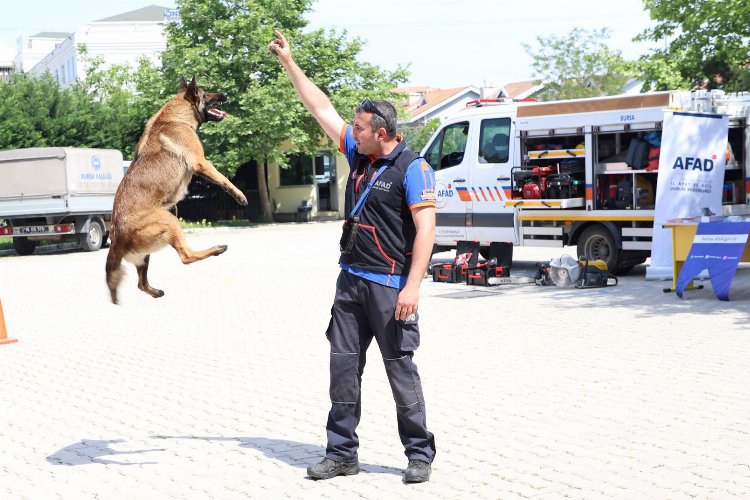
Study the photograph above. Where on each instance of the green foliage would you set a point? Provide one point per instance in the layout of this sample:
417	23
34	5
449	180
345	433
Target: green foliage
416	138
37	113
108	109
224	43
123	98
701	38
578	65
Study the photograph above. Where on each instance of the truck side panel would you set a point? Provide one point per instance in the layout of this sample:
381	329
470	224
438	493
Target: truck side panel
33	176
93	171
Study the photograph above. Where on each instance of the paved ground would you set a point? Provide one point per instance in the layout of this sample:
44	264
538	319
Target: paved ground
219	389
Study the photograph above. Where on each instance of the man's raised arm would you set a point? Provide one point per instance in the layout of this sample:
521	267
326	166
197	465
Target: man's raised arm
316	102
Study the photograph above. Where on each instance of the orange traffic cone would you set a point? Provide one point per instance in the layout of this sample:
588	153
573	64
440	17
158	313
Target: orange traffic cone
3	333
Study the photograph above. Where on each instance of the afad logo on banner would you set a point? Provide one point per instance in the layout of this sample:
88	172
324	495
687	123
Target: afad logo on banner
690	180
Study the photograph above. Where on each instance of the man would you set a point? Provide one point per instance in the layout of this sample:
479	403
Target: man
386	247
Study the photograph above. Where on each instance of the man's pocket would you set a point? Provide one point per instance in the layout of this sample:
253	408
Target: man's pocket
407	336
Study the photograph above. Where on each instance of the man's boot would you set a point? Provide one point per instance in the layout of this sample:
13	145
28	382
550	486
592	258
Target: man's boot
418	471
327	468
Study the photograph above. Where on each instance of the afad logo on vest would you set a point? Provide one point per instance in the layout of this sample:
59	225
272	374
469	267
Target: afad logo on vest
444	194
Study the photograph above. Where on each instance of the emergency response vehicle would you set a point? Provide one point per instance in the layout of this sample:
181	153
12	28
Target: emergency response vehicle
580	172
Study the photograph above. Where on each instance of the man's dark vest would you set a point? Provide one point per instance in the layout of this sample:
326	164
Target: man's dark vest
386	231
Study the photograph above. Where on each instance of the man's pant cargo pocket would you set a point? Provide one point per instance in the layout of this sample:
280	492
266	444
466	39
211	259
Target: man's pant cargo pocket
407	336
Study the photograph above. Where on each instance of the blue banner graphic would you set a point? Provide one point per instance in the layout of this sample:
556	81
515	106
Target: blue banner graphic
717	247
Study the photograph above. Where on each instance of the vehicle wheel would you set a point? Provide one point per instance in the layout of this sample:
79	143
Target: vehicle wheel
92	239
597	243
24	246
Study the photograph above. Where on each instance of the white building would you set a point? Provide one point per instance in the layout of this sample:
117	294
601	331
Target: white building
424	103
32	49
7	66
120	39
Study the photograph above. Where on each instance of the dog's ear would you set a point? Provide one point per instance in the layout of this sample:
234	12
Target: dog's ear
183	85
192	87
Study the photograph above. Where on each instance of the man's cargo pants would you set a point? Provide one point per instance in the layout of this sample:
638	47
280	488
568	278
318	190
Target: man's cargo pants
362	310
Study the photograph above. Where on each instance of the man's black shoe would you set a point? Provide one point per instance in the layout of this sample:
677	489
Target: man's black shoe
418	471
331	468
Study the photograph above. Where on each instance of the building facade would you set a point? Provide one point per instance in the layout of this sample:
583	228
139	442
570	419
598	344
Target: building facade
118	40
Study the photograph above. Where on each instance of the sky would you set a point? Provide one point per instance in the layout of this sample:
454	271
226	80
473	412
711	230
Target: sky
446	43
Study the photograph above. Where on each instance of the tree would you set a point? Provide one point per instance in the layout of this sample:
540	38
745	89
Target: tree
578	65
108	109
122	98
702	38
224	43
417	138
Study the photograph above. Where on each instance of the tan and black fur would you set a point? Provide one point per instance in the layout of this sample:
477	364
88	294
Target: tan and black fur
167	155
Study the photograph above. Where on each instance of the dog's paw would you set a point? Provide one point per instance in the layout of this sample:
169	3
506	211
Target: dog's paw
241	199
220	249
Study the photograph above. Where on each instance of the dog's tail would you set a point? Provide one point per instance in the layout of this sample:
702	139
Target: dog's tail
115	272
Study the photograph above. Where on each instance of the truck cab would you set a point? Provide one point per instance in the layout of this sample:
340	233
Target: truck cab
472	155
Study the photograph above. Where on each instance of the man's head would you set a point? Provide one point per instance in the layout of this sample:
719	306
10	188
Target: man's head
374	124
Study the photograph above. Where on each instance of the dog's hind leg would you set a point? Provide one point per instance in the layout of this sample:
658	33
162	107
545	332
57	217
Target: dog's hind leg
168	229
143	279
114	272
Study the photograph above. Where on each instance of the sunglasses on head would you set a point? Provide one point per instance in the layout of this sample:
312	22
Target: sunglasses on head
369	107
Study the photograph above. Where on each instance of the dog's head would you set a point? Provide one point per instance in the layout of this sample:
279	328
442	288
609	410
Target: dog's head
205	103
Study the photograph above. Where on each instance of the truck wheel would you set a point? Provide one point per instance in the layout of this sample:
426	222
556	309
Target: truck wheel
597	243
92	239
24	246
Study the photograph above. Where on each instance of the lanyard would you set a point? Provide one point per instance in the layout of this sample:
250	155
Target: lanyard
361	201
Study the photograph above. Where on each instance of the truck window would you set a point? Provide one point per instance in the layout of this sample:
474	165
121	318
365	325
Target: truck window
447	150
494	138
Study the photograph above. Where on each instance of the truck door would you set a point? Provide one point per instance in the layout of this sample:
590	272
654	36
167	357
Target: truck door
447	156
491	182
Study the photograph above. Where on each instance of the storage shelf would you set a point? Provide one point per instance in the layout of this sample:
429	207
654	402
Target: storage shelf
545	203
547	154
628	172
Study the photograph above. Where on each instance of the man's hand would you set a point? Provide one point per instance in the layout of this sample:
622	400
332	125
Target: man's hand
406	303
280	47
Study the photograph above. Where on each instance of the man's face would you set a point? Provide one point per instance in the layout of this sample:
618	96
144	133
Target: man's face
368	140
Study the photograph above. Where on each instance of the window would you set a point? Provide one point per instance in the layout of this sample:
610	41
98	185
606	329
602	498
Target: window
447	150
302	169
324	167
494	138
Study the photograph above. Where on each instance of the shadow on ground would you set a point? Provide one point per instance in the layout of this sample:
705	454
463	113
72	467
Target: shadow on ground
292	453
90	451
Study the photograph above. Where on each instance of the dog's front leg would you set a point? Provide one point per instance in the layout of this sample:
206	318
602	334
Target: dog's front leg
206	169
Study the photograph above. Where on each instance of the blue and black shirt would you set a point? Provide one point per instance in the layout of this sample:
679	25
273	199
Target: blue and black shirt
383	247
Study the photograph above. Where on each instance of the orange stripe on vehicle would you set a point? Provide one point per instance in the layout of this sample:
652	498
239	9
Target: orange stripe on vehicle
489	191
483	195
589	193
475	194
463	194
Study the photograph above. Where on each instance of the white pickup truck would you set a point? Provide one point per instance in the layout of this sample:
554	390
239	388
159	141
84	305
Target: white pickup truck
58	193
